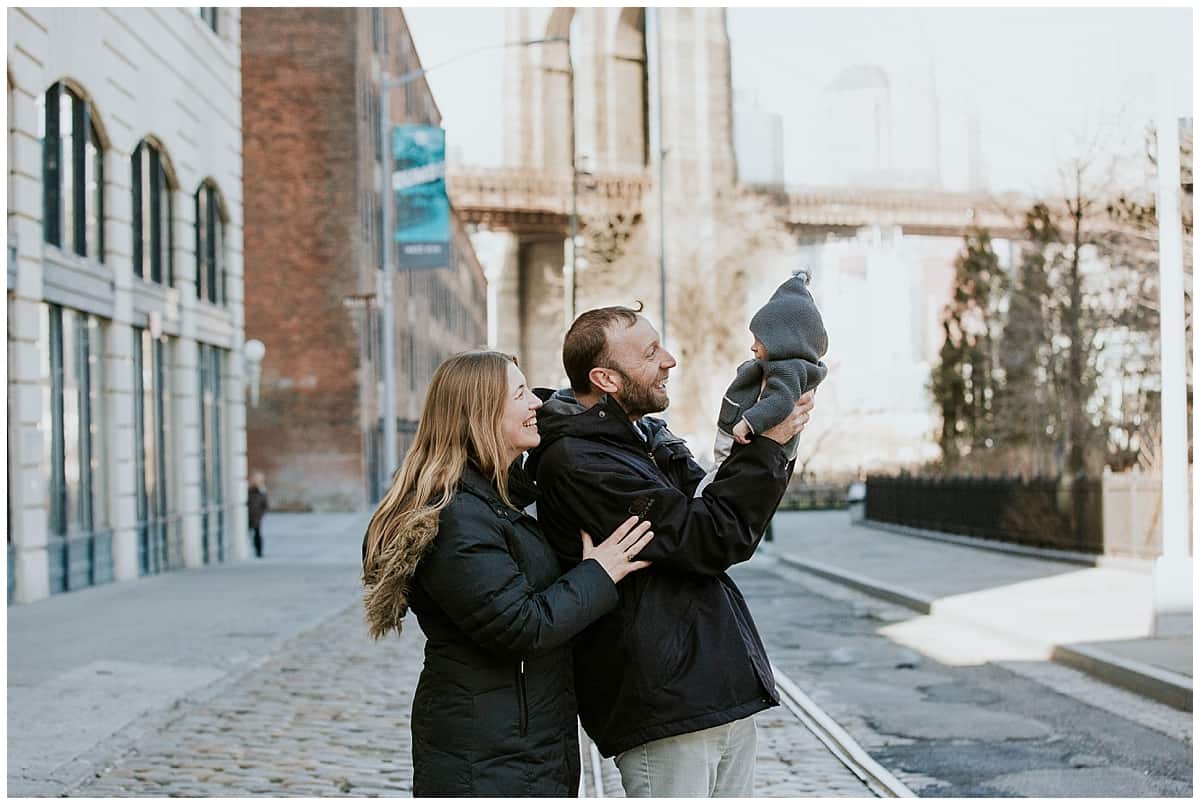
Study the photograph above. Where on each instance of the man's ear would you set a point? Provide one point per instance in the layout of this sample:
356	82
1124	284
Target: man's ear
603	379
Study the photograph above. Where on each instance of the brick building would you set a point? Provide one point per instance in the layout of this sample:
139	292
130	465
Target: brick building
314	253
126	442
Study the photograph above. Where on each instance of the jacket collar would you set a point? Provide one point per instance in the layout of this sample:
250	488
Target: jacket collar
563	415
521	491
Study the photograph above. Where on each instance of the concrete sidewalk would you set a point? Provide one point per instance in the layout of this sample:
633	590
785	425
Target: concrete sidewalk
981	605
87	668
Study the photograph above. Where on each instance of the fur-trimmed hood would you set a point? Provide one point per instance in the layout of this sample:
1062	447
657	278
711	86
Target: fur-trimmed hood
387	584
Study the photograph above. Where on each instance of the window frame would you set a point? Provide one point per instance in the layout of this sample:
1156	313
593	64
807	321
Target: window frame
209	229
149	172
210	16
72	168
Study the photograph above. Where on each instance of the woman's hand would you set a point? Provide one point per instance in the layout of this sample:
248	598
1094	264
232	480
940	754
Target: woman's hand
616	553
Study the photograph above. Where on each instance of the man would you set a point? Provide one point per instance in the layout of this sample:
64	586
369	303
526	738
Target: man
670	680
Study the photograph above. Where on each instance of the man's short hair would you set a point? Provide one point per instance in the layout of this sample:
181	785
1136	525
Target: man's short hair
586	344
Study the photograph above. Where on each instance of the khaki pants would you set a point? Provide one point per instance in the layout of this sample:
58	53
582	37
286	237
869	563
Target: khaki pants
716	762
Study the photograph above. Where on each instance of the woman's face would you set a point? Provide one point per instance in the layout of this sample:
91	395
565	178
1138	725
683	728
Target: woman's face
518	423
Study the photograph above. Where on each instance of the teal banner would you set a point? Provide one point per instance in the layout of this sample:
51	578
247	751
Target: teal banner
422	206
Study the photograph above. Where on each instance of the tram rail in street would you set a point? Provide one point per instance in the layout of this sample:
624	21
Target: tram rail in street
882	782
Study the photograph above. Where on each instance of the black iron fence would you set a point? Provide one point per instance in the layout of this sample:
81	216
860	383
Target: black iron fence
1039	512
800	496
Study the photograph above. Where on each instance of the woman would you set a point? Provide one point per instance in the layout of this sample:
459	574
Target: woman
494	711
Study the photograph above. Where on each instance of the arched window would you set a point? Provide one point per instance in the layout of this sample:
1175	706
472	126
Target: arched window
72	174
210	245
153	234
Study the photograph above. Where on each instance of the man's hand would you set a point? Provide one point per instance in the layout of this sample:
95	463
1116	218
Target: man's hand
741	432
795	422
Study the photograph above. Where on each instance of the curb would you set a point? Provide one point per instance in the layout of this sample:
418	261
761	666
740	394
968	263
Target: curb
1154	683
1146	680
1048	554
895	594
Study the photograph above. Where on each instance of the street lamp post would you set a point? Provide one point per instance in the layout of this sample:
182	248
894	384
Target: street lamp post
387	307
1173	568
662	157
573	263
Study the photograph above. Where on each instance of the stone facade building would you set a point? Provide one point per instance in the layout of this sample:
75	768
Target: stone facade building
313	177
126	440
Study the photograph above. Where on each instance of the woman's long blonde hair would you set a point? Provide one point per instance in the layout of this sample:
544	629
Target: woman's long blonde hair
460	423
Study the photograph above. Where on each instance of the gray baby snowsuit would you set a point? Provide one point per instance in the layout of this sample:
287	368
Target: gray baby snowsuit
764	392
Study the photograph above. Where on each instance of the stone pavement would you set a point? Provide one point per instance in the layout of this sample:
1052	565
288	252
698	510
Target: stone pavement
948	724
89	671
1020	607
328	715
254	678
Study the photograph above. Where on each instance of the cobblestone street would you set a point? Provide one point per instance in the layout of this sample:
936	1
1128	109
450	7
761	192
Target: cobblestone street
327	715
323	711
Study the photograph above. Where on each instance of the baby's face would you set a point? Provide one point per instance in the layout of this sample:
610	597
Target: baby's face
760	351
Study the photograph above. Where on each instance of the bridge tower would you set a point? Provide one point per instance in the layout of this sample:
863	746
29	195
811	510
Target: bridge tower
528	257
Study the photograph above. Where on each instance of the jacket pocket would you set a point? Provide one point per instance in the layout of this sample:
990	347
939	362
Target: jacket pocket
522	700
731	412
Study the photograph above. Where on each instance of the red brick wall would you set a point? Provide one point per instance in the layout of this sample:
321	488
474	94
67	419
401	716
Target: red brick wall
303	242
309	76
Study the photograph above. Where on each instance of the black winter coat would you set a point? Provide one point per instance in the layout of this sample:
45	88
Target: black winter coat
681	652
494	710
256	503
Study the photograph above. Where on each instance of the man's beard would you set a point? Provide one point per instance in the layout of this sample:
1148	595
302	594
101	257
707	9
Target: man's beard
638	399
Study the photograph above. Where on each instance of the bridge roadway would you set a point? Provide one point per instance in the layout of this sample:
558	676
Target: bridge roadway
526	201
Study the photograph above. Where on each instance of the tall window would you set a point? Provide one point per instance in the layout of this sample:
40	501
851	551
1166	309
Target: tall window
153	235
210	245
212	458
209	16
152	423
80	547
72	174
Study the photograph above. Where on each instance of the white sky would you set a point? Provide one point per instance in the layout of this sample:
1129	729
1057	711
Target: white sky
1041	80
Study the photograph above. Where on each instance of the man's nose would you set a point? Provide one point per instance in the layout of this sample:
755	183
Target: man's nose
669	362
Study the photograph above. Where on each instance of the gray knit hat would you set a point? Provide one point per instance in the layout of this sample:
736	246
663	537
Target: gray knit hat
789	325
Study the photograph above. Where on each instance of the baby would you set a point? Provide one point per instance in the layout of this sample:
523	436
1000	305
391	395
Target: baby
789	341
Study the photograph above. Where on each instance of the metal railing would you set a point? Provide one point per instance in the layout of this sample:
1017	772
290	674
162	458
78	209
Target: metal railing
1038	512
160	544
79	560
214	527
800	496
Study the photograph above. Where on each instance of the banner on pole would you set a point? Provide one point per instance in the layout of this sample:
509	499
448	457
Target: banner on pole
422	206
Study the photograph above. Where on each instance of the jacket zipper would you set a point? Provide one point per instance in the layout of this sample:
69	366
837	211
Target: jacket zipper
521	702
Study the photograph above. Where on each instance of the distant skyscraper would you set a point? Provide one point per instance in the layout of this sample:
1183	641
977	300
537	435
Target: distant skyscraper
858	125
757	141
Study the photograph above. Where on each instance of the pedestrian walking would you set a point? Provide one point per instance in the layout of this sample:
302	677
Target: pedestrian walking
257	505
494	711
